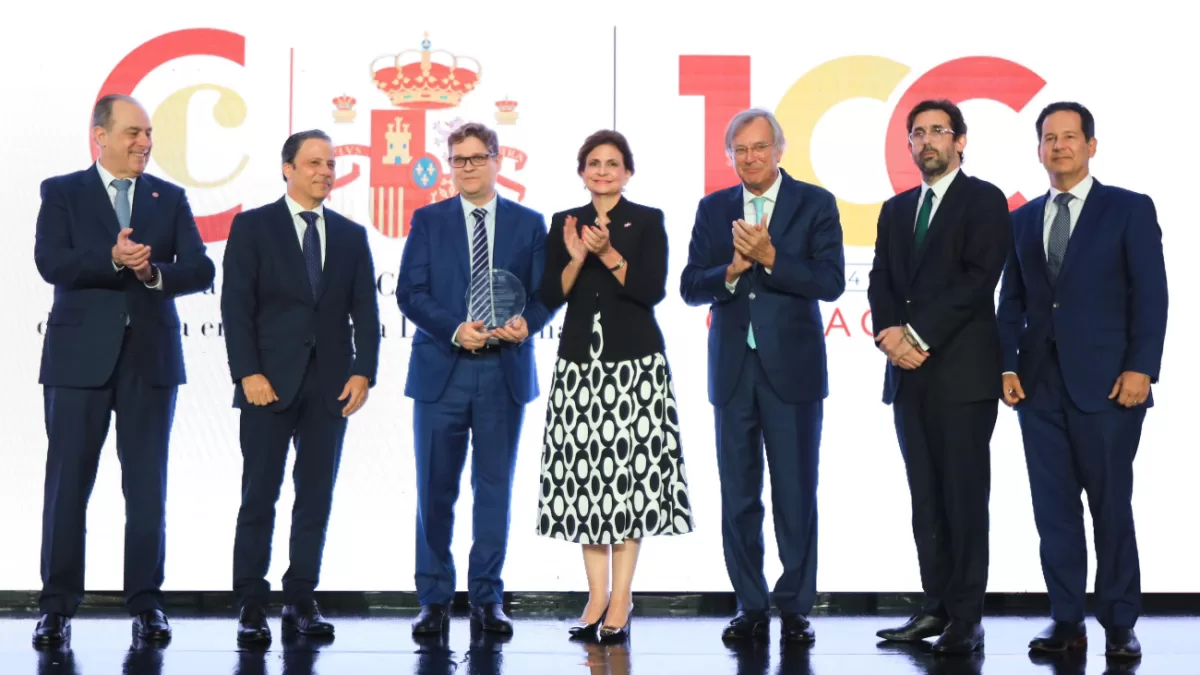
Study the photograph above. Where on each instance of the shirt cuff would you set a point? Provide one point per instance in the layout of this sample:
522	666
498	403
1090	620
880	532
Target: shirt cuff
454	338
116	267
157	286
924	345
732	287
1008	372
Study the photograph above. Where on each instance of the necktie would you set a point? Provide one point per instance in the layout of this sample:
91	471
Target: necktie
923	219
312	251
758	214
481	278
1060	233
121	204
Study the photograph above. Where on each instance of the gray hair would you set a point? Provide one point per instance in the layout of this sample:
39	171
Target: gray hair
745	117
102	113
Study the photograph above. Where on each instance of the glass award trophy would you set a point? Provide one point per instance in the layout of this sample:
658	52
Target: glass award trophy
507	300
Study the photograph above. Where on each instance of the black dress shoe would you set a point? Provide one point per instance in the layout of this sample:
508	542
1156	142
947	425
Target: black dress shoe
491	618
52	629
151	626
1060	636
915	629
432	619
745	626
305	618
1122	643
960	637
608	633
796	628
252	625
581	629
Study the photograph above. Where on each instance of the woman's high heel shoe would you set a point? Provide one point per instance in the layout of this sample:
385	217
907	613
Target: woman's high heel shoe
615	633
582	629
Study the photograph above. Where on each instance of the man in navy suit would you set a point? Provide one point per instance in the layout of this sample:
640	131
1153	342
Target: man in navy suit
296	274
119	246
763	255
939	253
465	379
1083	315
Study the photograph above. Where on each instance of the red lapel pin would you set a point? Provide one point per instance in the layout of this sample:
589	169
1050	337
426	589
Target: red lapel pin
154	194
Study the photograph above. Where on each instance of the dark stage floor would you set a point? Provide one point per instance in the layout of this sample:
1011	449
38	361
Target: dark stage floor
658	645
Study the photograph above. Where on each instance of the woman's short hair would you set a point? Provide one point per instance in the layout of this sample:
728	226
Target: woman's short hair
606	137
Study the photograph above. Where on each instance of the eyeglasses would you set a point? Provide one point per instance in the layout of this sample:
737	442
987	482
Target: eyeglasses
758	149
919	134
476	160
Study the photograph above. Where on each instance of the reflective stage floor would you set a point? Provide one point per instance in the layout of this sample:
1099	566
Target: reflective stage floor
659	645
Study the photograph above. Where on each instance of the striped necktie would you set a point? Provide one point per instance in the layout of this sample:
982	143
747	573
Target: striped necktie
481	278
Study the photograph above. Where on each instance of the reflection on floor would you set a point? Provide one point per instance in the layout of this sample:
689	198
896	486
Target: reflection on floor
100	644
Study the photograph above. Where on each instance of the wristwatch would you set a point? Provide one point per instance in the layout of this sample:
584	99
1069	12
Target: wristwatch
618	266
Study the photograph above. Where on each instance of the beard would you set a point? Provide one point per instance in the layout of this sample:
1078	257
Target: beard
933	166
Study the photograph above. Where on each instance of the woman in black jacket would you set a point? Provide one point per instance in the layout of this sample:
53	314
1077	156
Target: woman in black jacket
612	467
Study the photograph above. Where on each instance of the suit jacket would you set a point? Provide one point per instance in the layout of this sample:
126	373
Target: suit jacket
1108	309
76	230
946	290
272	323
435	273
631	331
784	306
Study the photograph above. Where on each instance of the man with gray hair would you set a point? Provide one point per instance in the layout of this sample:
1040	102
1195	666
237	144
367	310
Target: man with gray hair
764	276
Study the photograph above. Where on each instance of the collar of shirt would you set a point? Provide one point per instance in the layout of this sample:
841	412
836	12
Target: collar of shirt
296	209
1080	191
107	178
771	195
468	207
939	188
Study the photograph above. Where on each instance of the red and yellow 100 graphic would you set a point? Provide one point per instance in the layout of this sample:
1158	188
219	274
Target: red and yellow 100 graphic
723	81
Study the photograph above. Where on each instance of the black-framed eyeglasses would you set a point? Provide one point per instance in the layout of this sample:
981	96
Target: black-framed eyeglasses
459	162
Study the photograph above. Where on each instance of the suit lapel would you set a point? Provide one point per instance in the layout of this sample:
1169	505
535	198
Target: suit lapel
1032	237
787	200
283	231
335	245
98	201
503	235
1087	226
454	232
144	208
906	218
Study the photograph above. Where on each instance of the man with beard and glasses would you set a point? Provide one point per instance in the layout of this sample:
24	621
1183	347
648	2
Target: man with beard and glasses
939	253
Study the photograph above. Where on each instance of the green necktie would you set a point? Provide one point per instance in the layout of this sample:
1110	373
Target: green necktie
923	219
758	214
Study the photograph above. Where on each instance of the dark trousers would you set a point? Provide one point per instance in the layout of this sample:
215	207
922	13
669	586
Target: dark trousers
318	434
476	402
947	458
77	422
1068	451
792	435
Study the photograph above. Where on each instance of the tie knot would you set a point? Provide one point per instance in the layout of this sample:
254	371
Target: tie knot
479	214
1063	198
309	217
122	184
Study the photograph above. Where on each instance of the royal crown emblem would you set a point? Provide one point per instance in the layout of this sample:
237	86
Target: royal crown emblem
507	113
423	83
343	109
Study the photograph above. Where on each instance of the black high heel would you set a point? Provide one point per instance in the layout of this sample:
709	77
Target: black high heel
614	633
581	629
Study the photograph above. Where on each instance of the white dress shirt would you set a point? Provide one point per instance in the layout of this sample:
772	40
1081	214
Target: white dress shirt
1075	207
749	213
939	188
489	224
301	224
107	179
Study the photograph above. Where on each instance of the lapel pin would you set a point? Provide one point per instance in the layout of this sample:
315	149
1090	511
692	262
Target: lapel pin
628	224
154	194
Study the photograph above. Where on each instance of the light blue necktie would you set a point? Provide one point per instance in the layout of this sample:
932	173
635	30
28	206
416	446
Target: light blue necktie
121	204
481	277
758	214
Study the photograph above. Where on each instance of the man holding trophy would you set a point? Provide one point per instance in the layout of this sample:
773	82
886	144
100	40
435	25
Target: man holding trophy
470	280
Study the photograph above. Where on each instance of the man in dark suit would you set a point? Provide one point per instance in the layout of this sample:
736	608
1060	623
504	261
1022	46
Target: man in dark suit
939	253
763	255
465	379
119	246
296	274
1083	316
